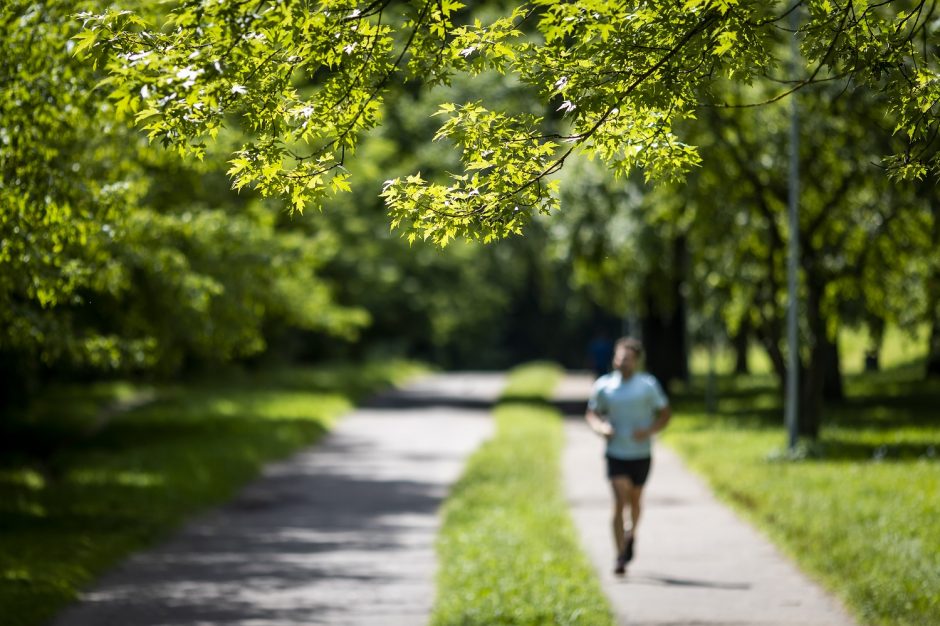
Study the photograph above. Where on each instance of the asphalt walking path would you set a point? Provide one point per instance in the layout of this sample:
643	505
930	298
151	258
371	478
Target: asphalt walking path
696	562
341	533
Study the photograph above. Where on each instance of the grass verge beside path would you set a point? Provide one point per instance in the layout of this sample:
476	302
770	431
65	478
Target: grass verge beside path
77	493
861	512
508	549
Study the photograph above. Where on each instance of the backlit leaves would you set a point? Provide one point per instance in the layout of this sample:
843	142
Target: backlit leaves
308	79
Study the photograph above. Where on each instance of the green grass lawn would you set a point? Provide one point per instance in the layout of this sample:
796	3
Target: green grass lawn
78	492
508	549
861	510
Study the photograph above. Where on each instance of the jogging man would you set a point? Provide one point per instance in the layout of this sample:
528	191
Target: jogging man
627	408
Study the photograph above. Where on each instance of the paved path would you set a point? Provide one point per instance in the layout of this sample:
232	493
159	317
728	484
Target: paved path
340	534
696	562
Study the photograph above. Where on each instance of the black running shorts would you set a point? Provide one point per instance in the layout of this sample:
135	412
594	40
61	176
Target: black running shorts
635	469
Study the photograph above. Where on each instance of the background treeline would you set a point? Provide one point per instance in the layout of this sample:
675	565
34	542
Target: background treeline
119	257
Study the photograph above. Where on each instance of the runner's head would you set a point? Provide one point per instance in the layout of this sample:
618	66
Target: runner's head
627	353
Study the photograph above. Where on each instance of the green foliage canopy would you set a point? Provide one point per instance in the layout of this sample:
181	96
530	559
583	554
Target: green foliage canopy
309	77
114	254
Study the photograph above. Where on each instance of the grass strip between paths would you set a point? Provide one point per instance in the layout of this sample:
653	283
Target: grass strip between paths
508	548
73	501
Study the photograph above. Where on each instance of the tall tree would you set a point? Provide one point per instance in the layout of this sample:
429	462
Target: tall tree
852	225
932	369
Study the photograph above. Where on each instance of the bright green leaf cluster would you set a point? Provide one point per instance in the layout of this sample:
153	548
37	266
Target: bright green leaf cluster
614	79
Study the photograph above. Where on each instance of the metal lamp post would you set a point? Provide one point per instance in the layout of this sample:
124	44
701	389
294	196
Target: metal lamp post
793	365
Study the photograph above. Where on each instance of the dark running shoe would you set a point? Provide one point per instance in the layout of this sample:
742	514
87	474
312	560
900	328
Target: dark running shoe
628	548
620	567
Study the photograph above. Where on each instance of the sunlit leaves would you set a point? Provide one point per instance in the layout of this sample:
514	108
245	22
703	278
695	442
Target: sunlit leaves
108	259
506	161
889	48
307	81
309	78
726	41
62	192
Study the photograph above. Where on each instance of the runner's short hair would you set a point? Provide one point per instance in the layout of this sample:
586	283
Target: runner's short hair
631	343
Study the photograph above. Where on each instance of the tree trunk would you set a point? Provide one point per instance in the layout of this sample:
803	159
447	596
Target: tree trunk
664	340
876	332
933	354
811	400
19	379
933	302
833	388
769	337
740	342
664	332
812	378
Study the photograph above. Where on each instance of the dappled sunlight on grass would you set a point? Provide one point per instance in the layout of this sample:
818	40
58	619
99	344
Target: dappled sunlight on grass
24	478
81	498
901	349
898	347
121	479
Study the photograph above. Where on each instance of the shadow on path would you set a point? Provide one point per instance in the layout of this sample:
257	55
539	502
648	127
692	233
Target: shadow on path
658	579
421	400
342	533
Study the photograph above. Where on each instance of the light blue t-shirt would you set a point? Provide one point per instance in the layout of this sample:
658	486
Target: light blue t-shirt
627	405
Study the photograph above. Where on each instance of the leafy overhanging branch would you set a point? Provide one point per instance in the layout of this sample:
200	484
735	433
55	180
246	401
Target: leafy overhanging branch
317	74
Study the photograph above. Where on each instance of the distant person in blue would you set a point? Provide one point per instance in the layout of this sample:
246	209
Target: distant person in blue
600	353
627	407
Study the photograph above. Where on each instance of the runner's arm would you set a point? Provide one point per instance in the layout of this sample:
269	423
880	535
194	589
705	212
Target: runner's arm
598	424
662	418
